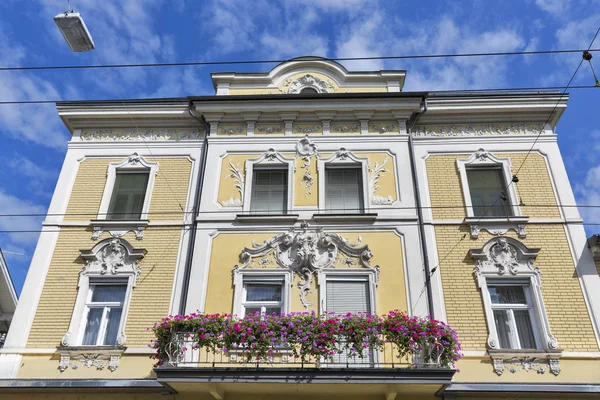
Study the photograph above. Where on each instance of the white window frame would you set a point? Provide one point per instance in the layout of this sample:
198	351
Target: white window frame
274	160
241	276
344	158
347	274
483	159
104	305
131	164
516	270
515	342
95	271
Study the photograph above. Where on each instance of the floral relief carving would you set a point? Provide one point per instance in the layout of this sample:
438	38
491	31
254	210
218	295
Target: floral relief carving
235	173
306	149
112	256
527	364
384	128
480	130
133	135
98	361
308	129
231	131
307	81
345	128
374	174
306	252
271	129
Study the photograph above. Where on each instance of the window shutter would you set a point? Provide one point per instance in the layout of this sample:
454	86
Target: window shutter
269	191
348	297
128	195
343	190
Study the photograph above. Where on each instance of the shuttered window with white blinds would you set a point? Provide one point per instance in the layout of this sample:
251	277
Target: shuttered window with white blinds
269	191
343	189
348	296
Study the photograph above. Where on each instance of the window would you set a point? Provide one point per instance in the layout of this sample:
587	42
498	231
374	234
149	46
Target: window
348	295
343	189
128	191
269	191
487	188
309	90
512	308
103	312
263	296
128	195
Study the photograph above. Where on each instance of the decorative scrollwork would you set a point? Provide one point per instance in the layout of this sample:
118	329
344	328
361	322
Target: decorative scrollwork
307	252
235	173
308	81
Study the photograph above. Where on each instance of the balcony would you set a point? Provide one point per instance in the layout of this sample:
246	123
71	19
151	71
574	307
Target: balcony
357	350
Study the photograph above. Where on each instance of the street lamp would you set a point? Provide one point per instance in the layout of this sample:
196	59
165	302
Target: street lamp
74	31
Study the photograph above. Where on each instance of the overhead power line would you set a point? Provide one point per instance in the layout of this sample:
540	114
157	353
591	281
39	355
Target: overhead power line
180	212
187	226
431	93
201	63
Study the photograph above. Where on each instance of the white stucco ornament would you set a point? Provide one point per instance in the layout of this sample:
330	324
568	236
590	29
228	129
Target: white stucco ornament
306	252
307	81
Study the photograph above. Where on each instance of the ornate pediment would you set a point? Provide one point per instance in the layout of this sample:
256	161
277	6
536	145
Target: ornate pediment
504	256
307	252
111	257
308	81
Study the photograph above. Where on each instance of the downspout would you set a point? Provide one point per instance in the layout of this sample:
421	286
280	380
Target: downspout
413	165
194	225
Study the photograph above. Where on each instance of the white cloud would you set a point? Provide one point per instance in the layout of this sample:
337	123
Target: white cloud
13	205
335	5
26	167
578	33
380	35
37	123
554	7
361	40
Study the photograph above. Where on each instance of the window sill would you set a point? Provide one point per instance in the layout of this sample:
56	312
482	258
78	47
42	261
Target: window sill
118	227
354	217
526	360
497	225
267	217
96	357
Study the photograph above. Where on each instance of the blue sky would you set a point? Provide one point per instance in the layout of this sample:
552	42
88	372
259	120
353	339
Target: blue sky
136	31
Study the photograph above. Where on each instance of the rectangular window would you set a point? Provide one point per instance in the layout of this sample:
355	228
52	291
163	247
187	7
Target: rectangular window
103	314
263	296
348	295
343	189
269	191
513	316
128	195
488	192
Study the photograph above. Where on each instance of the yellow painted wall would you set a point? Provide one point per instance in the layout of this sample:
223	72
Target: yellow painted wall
571	370
171	187
137	366
567	314
534	186
386	184
387	252
150	299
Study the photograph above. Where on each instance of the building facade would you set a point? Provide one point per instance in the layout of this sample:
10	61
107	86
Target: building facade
309	189
8	299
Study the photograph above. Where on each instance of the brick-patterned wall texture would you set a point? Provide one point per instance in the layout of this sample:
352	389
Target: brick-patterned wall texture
565	305
150	300
170	189
534	189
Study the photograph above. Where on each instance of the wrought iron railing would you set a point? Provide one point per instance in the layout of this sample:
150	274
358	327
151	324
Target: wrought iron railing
182	351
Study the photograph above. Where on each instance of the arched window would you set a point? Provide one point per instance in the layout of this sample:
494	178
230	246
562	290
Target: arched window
308	90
